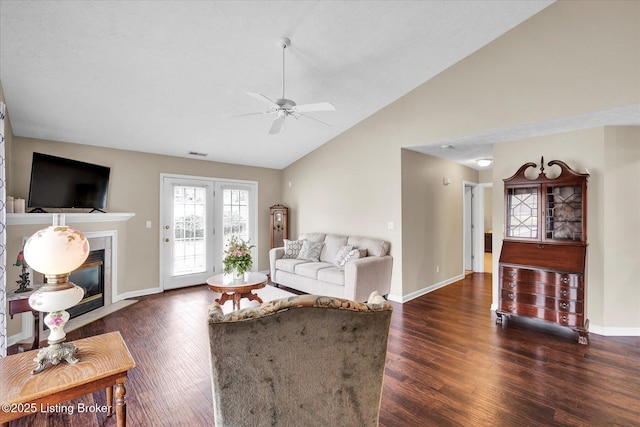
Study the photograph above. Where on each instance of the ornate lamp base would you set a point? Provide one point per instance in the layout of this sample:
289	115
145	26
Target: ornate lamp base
58	350
54	354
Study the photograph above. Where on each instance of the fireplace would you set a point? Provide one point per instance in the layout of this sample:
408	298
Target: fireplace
95	276
90	277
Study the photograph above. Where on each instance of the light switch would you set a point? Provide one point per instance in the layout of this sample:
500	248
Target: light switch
148	224
391	225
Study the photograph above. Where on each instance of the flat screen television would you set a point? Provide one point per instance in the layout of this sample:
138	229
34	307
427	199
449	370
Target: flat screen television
57	182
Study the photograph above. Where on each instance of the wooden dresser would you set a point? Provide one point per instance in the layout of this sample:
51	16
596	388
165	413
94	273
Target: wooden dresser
543	256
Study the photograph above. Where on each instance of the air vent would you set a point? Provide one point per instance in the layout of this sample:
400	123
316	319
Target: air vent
195	153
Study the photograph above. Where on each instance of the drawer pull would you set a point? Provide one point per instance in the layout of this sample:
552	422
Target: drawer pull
564	319
564	305
564	292
512	307
565	280
540	246
512	284
512	272
510	295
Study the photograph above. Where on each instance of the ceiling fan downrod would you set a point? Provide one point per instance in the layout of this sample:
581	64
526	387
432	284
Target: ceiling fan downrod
284	44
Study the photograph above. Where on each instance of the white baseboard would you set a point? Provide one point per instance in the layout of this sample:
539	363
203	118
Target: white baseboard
614	332
603	330
431	288
21	337
139	293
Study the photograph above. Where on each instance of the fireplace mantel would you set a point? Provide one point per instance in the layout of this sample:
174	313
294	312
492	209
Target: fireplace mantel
70	217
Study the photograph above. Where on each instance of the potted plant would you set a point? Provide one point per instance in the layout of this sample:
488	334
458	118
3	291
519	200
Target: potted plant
237	260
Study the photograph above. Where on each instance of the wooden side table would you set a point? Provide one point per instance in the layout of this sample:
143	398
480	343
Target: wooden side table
19	303
104	364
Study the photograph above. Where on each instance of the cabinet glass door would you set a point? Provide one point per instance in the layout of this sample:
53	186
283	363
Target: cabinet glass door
522	212
564	212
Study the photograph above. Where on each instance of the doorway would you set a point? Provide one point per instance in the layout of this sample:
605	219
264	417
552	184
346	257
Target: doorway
475	210
198	217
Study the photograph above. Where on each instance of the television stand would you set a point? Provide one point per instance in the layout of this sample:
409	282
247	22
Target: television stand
37	210
96	209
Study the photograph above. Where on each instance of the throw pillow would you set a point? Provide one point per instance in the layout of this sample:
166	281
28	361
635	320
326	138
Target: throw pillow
353	254
341	255
310	251
292	248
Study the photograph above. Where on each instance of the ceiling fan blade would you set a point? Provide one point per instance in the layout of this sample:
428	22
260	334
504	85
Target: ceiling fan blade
277	126
261	97
320	106
249	114
313	118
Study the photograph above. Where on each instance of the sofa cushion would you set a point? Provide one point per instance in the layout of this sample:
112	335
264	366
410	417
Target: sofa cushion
292	248
353	254
341	255
332	275
332	244
314	237
287	264
310	250
374	247
310	269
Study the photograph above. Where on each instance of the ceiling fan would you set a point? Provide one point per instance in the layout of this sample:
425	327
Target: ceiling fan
283	107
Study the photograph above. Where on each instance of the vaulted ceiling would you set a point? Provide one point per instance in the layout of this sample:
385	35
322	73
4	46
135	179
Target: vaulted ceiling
163	76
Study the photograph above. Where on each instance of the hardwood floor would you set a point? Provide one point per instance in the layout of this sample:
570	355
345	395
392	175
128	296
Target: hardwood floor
448	364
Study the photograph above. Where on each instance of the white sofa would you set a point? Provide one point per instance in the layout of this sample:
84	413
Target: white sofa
355	281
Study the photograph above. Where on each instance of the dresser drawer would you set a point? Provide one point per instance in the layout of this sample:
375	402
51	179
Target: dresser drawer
549	303
562	318
544	256
561	292
519	274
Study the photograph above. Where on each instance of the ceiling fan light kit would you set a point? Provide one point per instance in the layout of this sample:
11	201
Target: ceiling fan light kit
283	107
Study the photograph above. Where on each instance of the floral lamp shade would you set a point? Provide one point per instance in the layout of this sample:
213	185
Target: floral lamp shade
56	251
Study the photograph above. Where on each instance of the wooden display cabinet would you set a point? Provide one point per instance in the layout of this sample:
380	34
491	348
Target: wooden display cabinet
543	256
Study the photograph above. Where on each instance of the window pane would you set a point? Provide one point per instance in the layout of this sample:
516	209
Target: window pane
236	214
189	245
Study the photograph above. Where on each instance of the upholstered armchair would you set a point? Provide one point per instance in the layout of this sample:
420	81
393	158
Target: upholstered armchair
305	360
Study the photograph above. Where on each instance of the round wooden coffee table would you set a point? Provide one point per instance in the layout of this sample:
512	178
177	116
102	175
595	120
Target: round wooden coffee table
230	289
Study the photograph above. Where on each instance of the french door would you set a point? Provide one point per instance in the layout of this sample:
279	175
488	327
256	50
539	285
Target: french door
199	216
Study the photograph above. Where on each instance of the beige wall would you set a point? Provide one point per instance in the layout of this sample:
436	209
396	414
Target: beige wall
571	58
612	157
346	187
432	220
621	230
135	187
488	209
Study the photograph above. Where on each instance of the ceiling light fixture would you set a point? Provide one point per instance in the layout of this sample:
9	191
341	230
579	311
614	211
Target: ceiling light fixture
484	162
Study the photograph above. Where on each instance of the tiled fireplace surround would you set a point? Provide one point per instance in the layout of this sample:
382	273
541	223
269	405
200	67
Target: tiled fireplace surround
97	240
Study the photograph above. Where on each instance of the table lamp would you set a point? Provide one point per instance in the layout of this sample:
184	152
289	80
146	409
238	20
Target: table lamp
55	252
